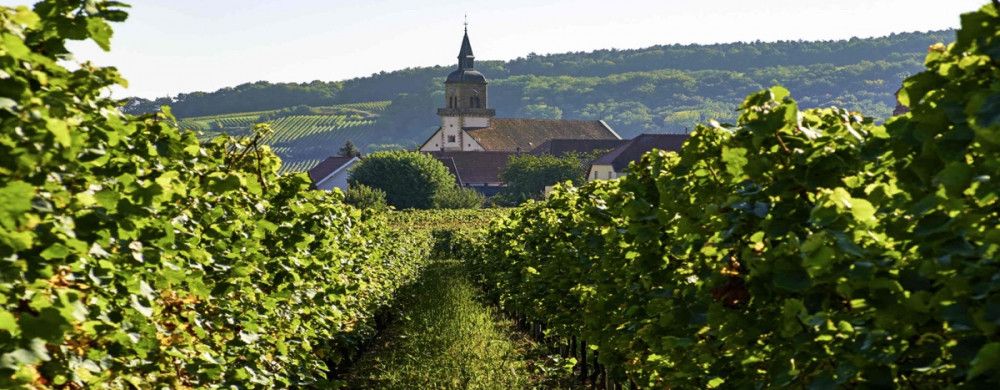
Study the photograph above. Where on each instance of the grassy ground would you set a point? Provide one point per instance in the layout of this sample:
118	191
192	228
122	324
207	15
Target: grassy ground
444	339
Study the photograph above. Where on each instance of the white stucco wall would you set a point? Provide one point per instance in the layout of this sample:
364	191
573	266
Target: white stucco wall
603	172
433	143
451	126
477	122
452	133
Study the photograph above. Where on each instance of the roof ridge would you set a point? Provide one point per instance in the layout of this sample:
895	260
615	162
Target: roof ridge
550	119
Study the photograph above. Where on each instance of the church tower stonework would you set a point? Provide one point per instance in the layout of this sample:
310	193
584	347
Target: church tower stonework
466	103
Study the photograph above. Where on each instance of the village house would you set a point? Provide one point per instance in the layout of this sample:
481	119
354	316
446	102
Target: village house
332	173
615	163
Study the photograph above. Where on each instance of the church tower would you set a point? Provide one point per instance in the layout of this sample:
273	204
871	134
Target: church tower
466	102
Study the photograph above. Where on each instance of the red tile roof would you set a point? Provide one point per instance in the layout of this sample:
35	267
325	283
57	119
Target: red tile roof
562	147
512	135
635	148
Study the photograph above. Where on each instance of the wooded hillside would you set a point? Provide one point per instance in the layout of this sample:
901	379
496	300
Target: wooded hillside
657	89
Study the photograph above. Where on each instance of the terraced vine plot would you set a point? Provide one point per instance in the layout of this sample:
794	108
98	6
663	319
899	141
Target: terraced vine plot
369	106
217	123
301	140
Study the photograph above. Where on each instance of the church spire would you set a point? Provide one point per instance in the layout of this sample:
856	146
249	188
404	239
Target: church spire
466	60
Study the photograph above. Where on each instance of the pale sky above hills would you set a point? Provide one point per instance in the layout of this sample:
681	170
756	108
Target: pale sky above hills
172	46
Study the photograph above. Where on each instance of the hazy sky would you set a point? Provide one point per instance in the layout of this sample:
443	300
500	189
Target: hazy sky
172	46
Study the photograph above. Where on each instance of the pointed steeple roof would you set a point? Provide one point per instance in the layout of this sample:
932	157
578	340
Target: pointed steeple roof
466	73
466	60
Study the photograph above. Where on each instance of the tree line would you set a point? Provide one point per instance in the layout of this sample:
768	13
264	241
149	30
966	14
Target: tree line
666	88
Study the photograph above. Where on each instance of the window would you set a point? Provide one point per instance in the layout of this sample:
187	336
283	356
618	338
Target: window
474	102
609	175
451	138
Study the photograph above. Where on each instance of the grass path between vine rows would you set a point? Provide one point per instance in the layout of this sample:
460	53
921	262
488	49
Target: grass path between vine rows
444	339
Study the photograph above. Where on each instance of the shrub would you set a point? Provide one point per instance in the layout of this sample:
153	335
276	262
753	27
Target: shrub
365	197
458	198
527	175
409	179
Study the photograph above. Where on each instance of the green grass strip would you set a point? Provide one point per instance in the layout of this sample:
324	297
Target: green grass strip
444	339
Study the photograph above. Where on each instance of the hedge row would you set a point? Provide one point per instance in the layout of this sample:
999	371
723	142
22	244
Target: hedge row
795	248
132	255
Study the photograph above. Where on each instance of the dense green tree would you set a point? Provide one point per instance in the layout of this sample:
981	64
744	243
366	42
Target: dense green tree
527	175
349	150
632	114
409	179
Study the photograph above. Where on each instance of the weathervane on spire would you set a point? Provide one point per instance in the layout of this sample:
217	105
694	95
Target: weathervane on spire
466	22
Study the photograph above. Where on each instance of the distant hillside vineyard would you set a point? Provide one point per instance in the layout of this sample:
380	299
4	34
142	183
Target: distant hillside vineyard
303	136
662	89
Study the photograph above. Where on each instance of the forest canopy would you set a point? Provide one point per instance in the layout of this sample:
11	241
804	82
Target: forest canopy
665	88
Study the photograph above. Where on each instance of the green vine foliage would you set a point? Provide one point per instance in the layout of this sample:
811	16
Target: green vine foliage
132	254
801	248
